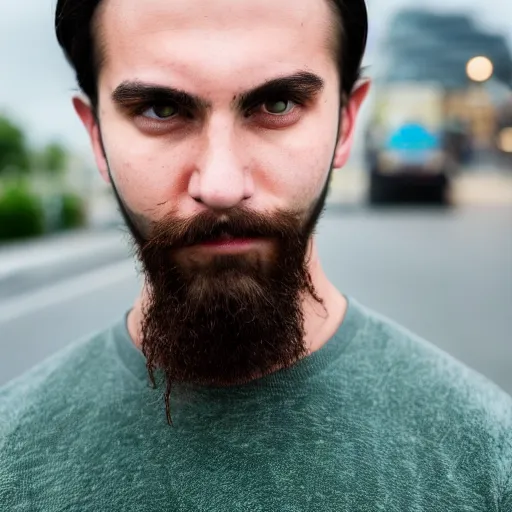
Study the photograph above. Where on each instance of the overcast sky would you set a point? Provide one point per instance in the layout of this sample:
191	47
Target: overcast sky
36	84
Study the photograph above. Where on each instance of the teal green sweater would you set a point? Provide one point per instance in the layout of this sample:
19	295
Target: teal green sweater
378	419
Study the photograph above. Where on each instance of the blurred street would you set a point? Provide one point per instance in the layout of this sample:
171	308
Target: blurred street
444	273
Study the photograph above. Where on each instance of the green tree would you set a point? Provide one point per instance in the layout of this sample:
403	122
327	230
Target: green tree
54	158
21	213
14	151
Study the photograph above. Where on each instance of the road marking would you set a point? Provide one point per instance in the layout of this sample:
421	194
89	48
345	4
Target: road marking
67	290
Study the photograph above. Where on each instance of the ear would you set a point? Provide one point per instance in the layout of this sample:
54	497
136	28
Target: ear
348	122
89	120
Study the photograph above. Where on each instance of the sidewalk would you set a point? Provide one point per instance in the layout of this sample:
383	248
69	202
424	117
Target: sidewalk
61	249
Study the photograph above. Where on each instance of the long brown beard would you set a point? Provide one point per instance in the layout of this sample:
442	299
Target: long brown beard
233	319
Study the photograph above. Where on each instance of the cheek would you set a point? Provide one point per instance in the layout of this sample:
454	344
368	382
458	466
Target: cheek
144	169
288	174
306	154
148	174
295	171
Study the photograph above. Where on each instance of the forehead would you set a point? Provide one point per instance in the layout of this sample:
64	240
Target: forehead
212	42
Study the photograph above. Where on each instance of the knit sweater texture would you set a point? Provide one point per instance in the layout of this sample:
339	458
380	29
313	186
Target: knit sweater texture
378	419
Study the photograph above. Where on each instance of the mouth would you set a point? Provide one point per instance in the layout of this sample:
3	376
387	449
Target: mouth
228	244
228	241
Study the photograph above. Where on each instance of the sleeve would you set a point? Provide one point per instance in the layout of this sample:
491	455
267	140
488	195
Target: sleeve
505	462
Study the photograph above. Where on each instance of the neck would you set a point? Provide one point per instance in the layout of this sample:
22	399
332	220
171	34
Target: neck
321	321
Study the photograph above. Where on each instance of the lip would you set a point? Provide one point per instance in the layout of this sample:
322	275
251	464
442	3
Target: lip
228	245
229	242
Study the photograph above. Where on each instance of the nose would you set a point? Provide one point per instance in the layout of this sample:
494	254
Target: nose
221	180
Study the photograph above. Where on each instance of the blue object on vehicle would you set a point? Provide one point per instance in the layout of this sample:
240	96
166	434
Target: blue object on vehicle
413	143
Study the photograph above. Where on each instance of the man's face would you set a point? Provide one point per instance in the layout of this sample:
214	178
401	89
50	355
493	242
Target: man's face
266	152
220	124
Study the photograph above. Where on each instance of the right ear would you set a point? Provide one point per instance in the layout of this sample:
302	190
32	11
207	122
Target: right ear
89	120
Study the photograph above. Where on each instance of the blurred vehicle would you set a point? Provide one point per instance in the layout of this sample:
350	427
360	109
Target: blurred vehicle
407	153
439	79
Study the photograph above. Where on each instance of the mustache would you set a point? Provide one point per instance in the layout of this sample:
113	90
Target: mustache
173	232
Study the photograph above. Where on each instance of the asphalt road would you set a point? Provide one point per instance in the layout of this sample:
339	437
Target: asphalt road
445	274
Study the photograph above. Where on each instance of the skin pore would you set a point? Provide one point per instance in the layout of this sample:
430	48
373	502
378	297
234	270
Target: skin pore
220	106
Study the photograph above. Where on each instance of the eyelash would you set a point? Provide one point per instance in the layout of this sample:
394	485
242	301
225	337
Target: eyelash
298	99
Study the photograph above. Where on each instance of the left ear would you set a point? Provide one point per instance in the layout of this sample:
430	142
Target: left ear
348	122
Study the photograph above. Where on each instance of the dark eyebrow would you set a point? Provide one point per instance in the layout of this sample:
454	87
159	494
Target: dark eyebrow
134	93
303	84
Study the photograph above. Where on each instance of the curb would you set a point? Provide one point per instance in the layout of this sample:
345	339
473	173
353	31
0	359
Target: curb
60	250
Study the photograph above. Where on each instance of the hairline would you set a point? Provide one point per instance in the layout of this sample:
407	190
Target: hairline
334	43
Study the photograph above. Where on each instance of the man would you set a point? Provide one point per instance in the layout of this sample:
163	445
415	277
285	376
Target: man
218	124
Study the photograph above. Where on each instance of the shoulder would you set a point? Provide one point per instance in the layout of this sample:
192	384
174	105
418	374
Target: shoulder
422	364
411	375
422	377
37	394
35	407
419	392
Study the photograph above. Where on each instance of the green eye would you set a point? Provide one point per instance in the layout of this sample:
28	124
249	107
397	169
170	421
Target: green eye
161	111
277	107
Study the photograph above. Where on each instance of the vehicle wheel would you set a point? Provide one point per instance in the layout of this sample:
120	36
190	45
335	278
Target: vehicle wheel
378	192
441	192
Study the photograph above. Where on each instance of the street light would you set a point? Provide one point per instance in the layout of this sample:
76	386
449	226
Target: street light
479	69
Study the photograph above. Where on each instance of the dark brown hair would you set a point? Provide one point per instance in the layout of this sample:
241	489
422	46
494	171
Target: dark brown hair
74	26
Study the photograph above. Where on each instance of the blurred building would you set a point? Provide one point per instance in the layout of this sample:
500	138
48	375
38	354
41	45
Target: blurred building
423	45
429	47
